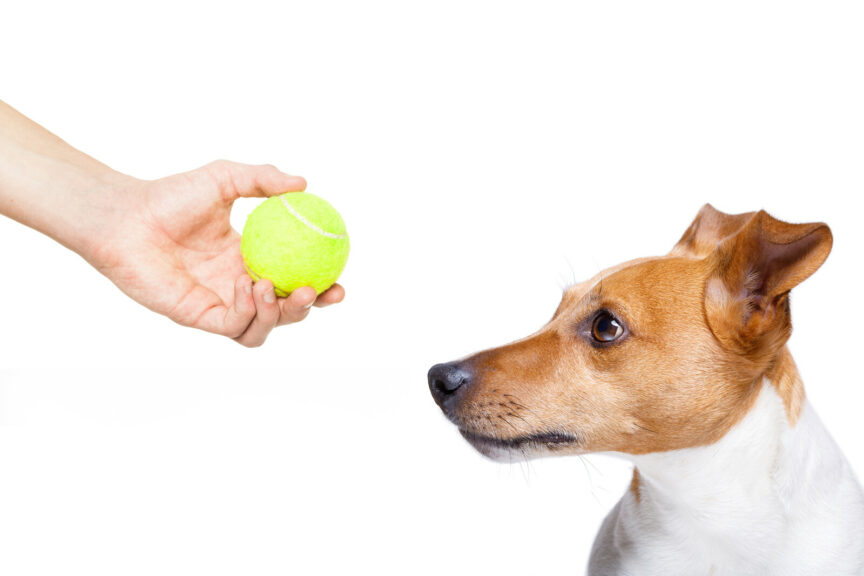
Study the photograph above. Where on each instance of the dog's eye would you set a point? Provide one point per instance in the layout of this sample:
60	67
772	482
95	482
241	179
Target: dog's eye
606	328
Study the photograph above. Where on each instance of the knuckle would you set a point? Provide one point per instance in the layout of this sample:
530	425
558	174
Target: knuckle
220	165
237	333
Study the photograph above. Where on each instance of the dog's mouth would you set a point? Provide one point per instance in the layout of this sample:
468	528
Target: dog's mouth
491	446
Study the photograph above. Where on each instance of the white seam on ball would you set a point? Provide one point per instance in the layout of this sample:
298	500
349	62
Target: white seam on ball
309	224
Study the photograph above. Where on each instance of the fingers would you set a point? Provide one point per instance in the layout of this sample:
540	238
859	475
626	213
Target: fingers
247	181
332	295
239	316
296	306
204	309
270	311
266	316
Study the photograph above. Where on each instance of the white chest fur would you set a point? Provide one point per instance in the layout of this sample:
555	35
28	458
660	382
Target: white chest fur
768	499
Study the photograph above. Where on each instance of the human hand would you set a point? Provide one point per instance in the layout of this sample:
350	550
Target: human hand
169	245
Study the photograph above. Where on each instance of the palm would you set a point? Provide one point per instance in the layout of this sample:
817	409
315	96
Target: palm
190	248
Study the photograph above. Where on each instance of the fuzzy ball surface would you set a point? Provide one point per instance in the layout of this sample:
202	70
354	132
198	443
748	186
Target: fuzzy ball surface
296	239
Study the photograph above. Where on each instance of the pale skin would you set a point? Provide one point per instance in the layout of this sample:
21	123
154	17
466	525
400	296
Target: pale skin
167	244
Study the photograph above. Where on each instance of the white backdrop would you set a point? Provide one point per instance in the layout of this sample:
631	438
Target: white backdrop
483	154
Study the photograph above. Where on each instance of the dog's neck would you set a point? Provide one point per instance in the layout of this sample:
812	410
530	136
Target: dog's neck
730	480
761	493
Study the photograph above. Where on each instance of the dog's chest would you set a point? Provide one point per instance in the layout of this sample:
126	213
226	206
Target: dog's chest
765	500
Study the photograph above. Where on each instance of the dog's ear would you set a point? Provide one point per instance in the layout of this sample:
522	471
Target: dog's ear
708	229
751	274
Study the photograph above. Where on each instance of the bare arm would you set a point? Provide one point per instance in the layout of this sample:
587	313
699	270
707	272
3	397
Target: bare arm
40	173
166	243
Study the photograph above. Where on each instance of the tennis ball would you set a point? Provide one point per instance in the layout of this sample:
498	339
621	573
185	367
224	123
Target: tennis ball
296	239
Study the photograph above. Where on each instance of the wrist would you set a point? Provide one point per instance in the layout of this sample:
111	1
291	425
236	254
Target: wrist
97	209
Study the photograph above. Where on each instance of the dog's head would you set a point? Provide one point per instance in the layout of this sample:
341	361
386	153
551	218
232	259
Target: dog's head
655	354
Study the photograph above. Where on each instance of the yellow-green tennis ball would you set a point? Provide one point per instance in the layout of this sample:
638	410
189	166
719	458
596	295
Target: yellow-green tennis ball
296	239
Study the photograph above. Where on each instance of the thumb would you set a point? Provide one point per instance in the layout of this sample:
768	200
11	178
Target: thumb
261	181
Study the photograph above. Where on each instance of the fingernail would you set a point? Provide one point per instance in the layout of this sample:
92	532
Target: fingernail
247	288
308	305
270	296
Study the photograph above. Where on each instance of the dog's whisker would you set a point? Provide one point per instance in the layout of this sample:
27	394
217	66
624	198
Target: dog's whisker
644	428
503	419
522	406
590	478
591	463
519	417
527	473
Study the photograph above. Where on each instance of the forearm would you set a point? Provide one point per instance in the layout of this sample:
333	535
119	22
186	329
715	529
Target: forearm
50	186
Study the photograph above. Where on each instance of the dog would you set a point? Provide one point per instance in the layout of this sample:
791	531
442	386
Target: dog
679	363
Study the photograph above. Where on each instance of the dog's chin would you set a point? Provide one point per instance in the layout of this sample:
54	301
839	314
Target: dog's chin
521	447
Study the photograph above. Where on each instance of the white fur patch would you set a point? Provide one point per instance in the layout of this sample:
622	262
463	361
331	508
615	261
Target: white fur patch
765	500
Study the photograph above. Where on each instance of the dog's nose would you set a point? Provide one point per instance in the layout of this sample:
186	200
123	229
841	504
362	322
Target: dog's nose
446	379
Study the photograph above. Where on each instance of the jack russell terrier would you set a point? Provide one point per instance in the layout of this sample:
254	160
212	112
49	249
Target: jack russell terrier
679	363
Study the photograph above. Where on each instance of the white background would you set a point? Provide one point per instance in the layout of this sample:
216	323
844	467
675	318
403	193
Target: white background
483	154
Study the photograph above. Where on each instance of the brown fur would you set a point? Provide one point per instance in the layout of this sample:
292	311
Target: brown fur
784	376
706	322
634	485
